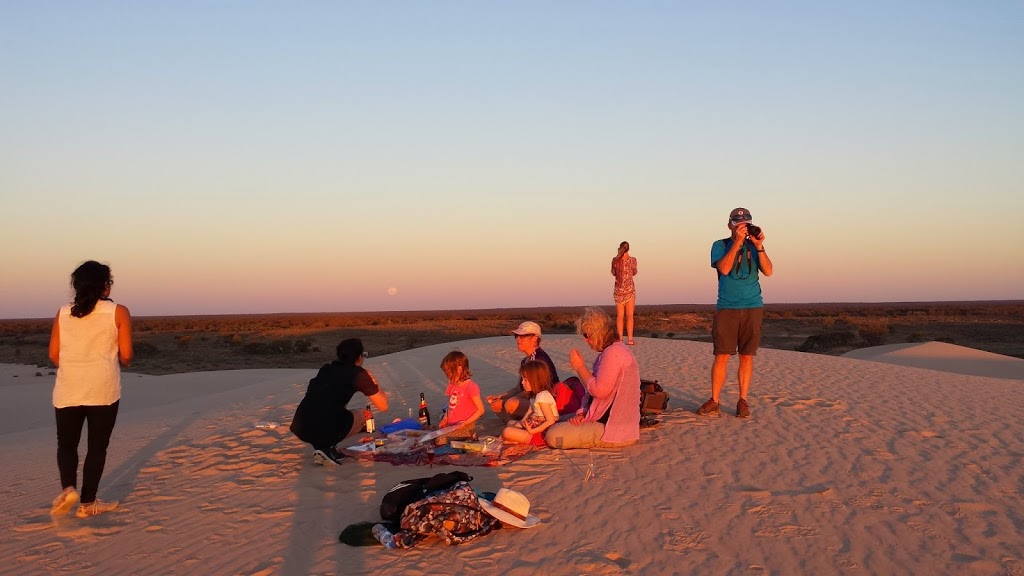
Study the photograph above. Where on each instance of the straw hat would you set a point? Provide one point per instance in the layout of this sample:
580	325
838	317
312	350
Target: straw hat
510	507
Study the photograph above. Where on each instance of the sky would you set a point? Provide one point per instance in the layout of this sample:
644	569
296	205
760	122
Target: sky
251	157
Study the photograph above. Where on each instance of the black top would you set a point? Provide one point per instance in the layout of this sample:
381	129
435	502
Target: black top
323	412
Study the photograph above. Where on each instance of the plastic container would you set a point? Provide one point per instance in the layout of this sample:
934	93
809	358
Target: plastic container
383	536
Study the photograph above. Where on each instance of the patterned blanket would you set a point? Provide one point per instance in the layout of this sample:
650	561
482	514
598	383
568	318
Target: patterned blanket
445	455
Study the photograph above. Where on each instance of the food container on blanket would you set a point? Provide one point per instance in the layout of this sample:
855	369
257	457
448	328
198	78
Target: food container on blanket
492	444
406	434
485	445
467	445
401	447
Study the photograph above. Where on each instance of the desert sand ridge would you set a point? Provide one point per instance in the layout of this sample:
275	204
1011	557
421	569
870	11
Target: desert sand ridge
847	466
945	358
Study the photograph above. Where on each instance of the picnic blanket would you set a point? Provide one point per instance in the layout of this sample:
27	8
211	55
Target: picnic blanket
446	455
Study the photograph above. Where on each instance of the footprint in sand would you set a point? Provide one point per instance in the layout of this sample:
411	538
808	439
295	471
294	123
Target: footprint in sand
805	403
1012	566
591	562
925	530
922	435
846	562
786	531
769	509
871	501
684	540
826	499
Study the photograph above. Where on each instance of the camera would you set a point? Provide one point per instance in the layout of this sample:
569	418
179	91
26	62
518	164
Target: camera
753	231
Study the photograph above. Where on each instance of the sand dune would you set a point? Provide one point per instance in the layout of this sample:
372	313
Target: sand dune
847	466
944	358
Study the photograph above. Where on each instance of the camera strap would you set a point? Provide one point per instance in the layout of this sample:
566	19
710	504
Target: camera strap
737	268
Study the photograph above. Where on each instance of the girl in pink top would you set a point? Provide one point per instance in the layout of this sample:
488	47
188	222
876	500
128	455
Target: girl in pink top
465	406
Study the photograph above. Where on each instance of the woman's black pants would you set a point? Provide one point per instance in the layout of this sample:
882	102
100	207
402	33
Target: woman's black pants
69	431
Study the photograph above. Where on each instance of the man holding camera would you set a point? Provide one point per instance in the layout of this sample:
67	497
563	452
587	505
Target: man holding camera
738	261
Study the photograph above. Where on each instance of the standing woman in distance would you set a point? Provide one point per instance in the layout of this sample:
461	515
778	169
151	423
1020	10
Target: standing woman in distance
624	268
90	341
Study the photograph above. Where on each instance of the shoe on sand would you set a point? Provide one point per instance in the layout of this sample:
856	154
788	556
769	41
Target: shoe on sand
648	422
709	408
742	410
328	457
94	508
63	503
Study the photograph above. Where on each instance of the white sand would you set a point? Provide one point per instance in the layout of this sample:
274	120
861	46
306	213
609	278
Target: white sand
945	358
847	466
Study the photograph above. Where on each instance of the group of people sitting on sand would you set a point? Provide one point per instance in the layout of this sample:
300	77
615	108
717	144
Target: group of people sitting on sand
598	407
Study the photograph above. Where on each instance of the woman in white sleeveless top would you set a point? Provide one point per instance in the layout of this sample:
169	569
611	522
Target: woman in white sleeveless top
90	341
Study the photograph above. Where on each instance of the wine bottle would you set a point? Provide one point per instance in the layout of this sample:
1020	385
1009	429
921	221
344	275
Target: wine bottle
424	412
370	424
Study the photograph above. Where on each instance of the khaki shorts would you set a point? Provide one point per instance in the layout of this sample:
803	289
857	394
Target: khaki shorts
737	329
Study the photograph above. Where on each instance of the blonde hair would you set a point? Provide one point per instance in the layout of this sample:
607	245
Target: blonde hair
598	327
538	374
452	362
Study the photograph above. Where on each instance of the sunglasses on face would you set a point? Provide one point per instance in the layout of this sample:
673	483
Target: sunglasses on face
738	222
364	355
521	336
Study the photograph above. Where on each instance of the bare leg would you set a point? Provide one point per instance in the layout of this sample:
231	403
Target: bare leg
745	373
619	311
629	306
515	435
516	407
358	419
718	370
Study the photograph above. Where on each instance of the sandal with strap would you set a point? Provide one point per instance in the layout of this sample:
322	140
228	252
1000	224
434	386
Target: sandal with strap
631	342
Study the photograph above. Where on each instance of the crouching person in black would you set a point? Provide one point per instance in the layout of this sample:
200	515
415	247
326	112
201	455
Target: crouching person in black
323	418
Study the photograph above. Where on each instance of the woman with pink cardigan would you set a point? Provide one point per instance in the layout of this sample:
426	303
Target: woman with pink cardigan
610	415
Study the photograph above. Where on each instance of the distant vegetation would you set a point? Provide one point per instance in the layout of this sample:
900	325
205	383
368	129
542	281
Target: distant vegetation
189	343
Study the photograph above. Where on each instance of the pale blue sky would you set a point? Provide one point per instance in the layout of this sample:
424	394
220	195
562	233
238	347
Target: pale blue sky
258	157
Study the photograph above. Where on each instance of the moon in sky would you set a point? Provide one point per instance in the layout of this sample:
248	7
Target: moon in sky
392	291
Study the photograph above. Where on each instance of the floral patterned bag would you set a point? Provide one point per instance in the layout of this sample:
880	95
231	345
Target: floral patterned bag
454	515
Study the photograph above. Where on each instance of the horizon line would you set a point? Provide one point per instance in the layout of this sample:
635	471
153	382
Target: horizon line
559	308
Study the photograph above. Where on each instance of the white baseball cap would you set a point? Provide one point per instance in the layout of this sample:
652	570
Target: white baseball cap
527	328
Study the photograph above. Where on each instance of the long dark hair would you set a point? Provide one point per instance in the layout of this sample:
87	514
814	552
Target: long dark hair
89	281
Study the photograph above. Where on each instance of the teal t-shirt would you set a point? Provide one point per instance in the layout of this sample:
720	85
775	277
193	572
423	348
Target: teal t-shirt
741	287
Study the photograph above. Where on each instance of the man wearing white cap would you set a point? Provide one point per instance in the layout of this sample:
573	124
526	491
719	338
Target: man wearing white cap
513	404
740	308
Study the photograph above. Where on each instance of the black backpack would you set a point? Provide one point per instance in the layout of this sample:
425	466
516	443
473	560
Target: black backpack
406	492
653	398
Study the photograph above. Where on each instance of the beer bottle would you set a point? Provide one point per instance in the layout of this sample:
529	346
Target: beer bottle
370	424
424	412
